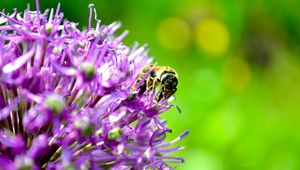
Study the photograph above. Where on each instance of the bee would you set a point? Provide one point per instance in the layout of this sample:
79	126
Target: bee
163	78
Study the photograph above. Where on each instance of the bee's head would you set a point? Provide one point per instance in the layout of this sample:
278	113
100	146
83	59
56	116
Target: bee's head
169	80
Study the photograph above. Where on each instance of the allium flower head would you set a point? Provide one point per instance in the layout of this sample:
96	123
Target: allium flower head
69	98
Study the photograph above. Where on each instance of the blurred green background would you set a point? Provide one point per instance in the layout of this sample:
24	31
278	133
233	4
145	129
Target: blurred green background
238	65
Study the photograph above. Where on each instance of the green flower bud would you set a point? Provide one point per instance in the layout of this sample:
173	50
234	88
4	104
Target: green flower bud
88	68
115	133
23	163
55	103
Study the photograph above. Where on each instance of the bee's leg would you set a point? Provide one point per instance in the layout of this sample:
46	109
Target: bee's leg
153	86
142	85
159	95
147	88
142	88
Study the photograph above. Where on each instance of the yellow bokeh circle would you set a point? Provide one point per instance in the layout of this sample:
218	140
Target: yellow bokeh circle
212	37
173	33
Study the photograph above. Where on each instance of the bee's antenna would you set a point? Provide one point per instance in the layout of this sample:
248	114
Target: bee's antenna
177	107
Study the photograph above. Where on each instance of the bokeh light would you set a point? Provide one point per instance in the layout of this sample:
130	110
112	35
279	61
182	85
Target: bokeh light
212	37
173	33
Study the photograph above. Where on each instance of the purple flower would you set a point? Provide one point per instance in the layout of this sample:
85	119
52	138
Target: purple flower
69	99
